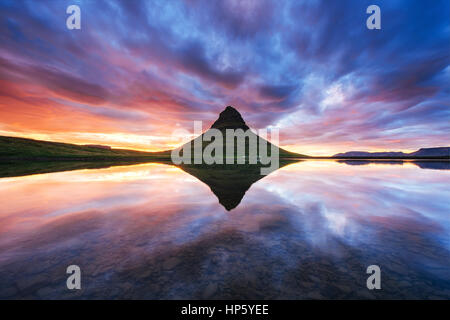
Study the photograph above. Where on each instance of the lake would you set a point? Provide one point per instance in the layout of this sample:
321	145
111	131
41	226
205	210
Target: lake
153	231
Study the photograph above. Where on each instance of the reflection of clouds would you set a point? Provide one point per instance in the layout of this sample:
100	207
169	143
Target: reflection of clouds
147	171
321	199
315	214
337	222
339	199
36	201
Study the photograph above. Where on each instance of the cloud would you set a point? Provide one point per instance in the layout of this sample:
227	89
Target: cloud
193	59
276	91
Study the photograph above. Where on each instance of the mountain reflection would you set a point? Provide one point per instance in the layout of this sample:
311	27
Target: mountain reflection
228	182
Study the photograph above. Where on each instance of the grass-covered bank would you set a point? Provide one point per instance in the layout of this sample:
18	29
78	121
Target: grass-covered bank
22	149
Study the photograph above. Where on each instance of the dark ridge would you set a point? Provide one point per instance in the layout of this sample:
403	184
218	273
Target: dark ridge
430	153
434	152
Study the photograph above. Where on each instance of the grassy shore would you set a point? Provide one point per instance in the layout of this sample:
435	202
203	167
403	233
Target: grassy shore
21	149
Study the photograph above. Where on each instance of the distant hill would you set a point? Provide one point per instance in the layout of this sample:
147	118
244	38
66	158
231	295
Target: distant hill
431	153
370	154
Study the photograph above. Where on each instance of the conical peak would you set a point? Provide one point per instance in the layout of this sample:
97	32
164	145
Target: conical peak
230	118
230	110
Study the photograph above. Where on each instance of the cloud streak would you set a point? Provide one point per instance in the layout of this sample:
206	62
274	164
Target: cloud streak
312	68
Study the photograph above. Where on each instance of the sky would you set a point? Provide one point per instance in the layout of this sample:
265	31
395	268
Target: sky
138	70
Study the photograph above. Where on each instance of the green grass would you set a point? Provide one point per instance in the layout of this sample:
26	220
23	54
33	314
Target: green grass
12	148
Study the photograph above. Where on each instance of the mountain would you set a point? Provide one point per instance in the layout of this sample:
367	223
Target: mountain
230	118
432	153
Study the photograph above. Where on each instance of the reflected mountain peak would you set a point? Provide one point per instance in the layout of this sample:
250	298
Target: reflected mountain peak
229	183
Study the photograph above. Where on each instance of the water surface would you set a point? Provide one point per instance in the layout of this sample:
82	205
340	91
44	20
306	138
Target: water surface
153	231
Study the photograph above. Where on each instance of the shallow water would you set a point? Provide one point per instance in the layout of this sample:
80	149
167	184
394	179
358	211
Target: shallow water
152	231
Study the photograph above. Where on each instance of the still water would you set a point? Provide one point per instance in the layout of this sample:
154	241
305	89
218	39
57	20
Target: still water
152	231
